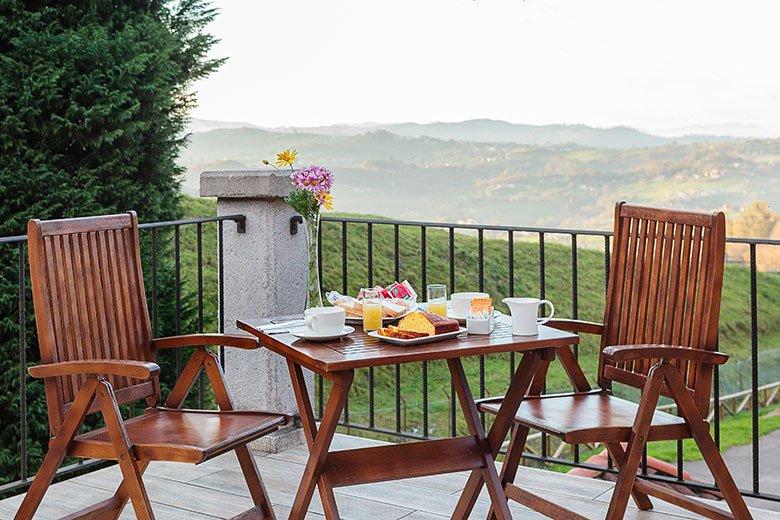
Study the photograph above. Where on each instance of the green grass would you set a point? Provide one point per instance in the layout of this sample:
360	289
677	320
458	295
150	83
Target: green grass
735	313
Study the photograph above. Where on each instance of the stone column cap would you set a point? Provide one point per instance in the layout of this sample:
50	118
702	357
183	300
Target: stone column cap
245	184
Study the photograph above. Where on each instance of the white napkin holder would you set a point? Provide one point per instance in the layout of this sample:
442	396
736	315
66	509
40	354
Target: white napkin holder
480	326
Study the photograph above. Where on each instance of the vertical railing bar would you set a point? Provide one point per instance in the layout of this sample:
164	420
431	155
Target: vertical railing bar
398	398
511	289
319	253
344	261
481	284
451	251
320	398
606	262
154	282
680	468
453	417
199	231
575	310
423	287
606	288
345	290
425	397
542	295
177	285
754	364
371	382
371	405
396	252
22	364
716	402
370	256
221	295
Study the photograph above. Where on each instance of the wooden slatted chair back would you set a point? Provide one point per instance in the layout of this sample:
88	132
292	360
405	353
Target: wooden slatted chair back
90	302
665	282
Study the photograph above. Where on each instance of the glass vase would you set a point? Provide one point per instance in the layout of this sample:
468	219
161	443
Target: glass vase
313	288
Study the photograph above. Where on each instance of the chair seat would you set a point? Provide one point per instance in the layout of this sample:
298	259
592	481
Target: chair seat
181	435
589	417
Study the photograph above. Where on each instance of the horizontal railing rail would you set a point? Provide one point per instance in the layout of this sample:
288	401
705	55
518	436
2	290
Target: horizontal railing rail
152	240
409	257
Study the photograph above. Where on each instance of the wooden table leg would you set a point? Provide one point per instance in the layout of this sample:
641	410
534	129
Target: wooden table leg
488	473
318	440
518	387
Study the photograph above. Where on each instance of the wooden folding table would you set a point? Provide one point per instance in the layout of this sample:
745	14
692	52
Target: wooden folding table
337	361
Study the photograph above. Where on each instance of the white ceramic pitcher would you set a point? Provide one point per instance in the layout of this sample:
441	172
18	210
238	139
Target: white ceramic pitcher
525	320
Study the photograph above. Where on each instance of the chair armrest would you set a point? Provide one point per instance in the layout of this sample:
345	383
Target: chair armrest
205	340
587	327
621	353
114	367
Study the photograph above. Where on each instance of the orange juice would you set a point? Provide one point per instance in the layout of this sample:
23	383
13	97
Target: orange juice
372	316
439	308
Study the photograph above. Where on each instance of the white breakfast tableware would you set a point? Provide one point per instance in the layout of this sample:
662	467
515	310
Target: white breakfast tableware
306	334
417	341
479	326
324	320
460	303
525	311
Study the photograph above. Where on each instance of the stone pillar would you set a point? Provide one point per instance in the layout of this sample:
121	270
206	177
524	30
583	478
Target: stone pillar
264	275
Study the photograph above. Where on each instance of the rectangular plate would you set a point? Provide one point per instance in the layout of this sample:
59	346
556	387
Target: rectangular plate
417	341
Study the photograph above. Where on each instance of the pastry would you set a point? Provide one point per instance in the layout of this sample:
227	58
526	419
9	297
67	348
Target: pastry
428	323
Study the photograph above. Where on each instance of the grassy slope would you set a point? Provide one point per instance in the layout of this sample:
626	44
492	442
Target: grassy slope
735	316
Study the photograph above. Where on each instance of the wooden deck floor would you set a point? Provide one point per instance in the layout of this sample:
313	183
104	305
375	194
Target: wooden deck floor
216	490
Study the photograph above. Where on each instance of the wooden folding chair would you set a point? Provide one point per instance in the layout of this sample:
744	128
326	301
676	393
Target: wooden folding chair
97	353
659	334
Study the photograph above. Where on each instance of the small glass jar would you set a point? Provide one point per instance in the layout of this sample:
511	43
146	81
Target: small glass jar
437	299
372	309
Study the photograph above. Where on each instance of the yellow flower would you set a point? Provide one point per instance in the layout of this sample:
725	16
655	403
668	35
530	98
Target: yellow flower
286	158
326	199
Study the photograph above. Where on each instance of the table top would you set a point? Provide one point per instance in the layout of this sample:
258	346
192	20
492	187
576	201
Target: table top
358	350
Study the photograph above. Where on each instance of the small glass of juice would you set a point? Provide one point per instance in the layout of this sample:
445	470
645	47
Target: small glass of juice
437	299
372	309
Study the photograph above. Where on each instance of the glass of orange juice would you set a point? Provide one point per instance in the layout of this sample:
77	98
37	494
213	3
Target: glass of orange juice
372	309
437	299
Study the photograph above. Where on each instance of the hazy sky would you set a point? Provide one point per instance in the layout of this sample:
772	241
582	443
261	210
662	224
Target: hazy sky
651	64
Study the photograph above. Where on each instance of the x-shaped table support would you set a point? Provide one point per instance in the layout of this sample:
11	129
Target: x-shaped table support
476	452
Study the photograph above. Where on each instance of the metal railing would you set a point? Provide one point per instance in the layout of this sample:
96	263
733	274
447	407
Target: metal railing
157	239
409	253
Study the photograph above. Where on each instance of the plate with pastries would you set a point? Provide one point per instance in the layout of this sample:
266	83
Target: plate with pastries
398	300
417	327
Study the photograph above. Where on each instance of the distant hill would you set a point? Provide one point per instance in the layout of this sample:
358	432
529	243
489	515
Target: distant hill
494	131
383	173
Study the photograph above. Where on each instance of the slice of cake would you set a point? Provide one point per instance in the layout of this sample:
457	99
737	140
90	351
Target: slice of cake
428	323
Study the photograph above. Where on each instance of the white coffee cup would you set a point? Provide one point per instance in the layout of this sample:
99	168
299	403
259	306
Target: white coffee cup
325	320
525	320
461	302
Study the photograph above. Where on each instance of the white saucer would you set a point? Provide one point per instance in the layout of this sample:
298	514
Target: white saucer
315	336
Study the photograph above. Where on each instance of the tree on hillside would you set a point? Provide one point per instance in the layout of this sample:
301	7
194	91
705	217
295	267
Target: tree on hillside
94	98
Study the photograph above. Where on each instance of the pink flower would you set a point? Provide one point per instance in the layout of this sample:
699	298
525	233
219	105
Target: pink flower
316	179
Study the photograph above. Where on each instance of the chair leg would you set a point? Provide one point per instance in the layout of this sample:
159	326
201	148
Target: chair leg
636	445
57	450
254	482
709	451
128	464
245	459
618	454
